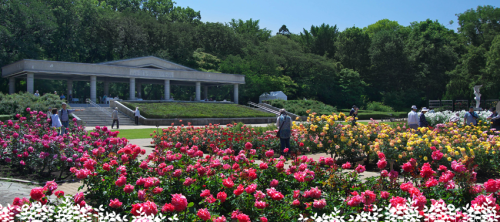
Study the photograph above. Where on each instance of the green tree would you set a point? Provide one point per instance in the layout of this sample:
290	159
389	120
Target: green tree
352	49
431	51
480	26
320	40
284	31
352	88
250	29
390	69
382	25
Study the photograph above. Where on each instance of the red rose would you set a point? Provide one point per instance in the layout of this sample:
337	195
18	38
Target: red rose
115	203
37	193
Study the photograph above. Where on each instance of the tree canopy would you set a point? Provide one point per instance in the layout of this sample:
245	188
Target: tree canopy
385	61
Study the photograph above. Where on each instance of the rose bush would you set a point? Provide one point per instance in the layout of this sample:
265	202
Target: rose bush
30	144
222	174
442	145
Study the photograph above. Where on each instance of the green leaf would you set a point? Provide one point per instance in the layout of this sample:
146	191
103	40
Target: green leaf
190	204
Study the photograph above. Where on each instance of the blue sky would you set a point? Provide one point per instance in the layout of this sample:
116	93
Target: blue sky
297	15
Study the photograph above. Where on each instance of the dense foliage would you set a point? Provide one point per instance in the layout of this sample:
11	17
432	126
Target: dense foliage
17	103
196	110
386	62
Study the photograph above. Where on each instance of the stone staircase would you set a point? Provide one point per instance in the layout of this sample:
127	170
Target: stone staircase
92	116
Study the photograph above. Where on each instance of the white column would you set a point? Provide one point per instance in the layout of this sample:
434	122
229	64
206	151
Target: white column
167	89
69	86
236	93
132	89
30	82
198	91
93	88
106	88
12	85
139	89
205	89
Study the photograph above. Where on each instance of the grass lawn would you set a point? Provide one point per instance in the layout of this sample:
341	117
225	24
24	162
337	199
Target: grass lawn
135	133
195	110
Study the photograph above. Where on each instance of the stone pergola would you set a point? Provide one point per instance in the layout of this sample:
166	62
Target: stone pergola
136	71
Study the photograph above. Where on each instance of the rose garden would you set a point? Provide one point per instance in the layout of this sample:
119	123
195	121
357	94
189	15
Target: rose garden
234	173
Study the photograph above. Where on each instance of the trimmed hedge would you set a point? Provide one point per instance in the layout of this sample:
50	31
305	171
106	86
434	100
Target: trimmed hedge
300	107
195	110
367	114
4	118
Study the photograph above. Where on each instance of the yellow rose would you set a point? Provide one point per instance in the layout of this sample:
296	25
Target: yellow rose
449	159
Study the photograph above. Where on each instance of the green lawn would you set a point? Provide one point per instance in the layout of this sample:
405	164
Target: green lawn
135	133
195	110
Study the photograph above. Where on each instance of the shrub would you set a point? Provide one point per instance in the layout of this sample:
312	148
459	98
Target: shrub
195	110
17	103
378	106
300	107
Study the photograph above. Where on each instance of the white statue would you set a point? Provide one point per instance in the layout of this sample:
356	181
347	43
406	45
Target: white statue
478	95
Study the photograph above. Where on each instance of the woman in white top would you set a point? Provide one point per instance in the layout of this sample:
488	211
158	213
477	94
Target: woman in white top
56	122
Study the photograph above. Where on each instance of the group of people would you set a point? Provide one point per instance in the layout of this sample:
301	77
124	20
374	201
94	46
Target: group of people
415	121
60	118
470	118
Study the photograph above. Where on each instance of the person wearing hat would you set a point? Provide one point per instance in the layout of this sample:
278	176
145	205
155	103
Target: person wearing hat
413	118
354	113
471	117
423	121
495	119
65	117
284	124
115	118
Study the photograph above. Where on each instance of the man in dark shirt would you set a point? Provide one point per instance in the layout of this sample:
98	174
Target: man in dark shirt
354	113
423	121
494	118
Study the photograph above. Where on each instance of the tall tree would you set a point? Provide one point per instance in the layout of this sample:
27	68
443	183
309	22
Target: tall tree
390	69
320	40
250	28
431	50
382	25
352	49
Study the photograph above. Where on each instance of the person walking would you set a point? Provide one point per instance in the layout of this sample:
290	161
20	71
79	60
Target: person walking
471	117
137	114
115	118
37	94
413	118
56	122
284	124
65	117
423	121
495	119
354	113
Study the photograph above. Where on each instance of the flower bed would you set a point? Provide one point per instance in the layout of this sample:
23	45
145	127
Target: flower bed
223	174
31	145
449	116
443	144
